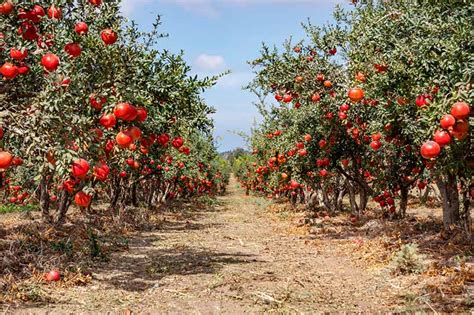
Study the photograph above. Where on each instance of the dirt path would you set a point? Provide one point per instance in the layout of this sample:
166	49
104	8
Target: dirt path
234	259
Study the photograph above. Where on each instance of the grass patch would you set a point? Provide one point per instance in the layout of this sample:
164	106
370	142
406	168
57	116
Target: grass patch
408	260
10	208
207	201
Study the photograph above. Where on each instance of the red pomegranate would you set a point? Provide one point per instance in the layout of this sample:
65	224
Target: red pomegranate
125	111
108	121
80	168
430	150
82	199
108	36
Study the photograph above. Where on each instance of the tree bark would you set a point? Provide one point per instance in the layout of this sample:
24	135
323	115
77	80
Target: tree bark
64	203
44	198
403	201
450	198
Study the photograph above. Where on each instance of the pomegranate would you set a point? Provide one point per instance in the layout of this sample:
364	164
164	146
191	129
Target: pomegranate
430	150
82	199
442	138
80	168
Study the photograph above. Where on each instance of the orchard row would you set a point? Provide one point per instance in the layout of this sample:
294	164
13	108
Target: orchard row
91	110
373	106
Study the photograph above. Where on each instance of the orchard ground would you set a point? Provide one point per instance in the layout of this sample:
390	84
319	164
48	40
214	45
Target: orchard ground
238	253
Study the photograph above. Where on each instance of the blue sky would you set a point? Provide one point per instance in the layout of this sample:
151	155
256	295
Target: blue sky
219	35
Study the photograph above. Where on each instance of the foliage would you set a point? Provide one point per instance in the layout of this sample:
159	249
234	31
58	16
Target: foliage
52	115
358	100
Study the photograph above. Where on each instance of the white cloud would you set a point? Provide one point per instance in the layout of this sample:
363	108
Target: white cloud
235	80
128	6
203	7
205	62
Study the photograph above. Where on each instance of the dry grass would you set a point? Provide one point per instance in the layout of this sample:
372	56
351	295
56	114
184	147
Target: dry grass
446	284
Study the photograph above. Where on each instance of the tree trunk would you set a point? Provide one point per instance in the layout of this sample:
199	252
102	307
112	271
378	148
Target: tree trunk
363	199
340	198
134	195
352	200
44	198
425	195
466	213
403	200
450	198
64	203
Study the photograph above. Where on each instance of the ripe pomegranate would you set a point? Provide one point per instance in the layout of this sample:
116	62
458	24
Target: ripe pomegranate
124	139
80	168
108	36
142	114
315	98
97	103
82	199
447	121
356	94
28	31
294	185
430	150
23	69
125	111
327	84
9	71
307	137
135	133
18	54
5	159
37	11
6	7
73	49
287	98
460	110
95	2
442	138
376	136
108	120
101	172
460	129
177	142
375	145
420	101
303	152
81	28
50	62
163	139
54	12
53	276
344	107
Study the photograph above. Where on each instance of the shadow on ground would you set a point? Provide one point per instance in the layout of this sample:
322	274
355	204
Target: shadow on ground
141	272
